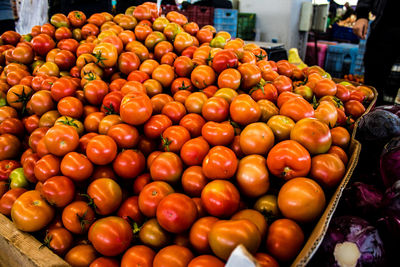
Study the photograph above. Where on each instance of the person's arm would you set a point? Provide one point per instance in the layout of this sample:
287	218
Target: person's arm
360	27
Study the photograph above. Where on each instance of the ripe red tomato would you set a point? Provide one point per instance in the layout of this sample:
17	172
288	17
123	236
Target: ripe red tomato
104	261
48	166
7	200
220	163
101	150
138	255
193	123
220	198
325	87
218	134
283	84
58	191
106	195
151	195
252	176
244	110
129	210
194	151
297	109
136	108
174	137
327	169
110	235
354	108
256	138
124	135
284	239
313	134
176	213
289	159
225	235
76	166
77	217
166	167
59	240
224	59
206	260
30	212
129	164
61	139
81	255
251	75
266	260
173	256
301	199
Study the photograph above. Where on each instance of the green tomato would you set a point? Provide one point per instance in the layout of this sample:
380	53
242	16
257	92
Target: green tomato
345	83
3	100
218	41
18	179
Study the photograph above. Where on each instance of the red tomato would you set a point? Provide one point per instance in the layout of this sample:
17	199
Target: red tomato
106	195
59	240
252	176
151	195
101	150
193	181
176	213
297	109
7	200
301	199
266	260
129	164
136	108
81	255
244	110
76	166
220	163
220	198
225	235
174	137
77	217
313	134
173	256
138	255
110	235
256	138
327	169
284	239
206	260
289	159
224	59
193	123
194	151
30	212
129	210
218	134
58	191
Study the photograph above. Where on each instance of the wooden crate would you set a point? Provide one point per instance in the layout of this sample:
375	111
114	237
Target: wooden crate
19	249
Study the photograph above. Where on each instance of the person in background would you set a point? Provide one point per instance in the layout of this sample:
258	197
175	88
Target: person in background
349	11
7	20
382	49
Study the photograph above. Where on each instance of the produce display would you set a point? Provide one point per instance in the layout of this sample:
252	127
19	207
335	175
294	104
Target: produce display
140	139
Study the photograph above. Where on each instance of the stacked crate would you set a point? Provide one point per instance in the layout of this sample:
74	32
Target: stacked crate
226	20
341	59
246	26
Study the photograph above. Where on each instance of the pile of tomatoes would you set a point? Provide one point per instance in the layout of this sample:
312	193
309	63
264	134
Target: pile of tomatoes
139	139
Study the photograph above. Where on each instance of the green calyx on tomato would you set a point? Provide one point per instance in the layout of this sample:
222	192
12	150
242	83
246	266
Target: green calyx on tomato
23	98
165	143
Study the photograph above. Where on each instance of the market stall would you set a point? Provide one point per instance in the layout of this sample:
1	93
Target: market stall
159	137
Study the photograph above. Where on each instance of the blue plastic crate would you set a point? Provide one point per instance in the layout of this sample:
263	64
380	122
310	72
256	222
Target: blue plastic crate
223	16
341	59
232	29
343	33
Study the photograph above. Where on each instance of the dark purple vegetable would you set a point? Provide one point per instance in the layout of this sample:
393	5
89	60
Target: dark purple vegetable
378	126
363	200
389	224
390	162
395	109
352	242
